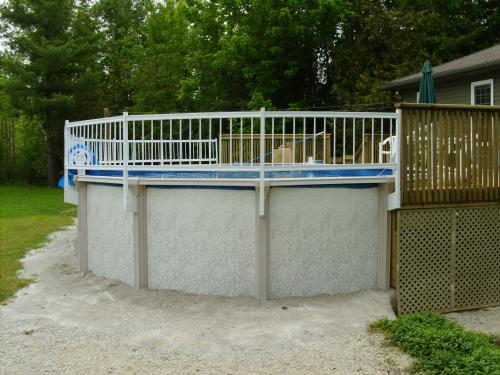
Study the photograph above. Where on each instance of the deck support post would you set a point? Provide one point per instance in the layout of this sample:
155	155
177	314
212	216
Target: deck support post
82	233
261	244
384	233
139	195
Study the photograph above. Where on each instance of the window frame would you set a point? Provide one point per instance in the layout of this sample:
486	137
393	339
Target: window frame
484	82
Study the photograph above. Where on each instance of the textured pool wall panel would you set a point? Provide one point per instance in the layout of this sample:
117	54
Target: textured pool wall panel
322	240
110	234
201	240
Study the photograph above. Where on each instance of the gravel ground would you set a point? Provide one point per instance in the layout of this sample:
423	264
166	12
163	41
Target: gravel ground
485	320
71	323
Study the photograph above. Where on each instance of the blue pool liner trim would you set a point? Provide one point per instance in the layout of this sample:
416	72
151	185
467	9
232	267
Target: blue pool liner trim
181	175
247	174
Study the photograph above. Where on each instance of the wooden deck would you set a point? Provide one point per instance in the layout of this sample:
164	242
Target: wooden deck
244	149
450	154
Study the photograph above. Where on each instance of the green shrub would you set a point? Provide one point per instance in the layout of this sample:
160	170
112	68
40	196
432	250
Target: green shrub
442	346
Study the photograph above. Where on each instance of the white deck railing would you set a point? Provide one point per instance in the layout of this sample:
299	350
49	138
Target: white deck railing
253	139
233	138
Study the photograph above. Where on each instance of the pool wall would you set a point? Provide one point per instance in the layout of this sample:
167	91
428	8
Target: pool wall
322	240
110	234
201	240
312	240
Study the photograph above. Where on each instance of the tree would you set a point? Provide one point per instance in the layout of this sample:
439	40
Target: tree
253	53
385	39
161	63
122	25
46	67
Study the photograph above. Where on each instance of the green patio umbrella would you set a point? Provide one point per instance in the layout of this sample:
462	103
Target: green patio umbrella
427	90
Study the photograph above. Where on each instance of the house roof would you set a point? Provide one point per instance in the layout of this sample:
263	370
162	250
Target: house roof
485	58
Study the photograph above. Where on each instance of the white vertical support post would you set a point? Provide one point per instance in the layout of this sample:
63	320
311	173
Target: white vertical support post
162	157
334	155
66	152
241	141
272	141
251	142
219	160
66	142
304	128
395	198
262	161
363	141
125	159
231	141
283	143
354	140
210	141
314	141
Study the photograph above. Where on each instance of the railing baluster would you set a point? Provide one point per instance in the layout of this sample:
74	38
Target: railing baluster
334	140
170	156
199	141
304	141
283	143
314	140
161	143
373	141
189	143
363	142
143	154
251	141
324	140
230	141
354	140
210	141
151	148
343	141
180	142
272	140
241	141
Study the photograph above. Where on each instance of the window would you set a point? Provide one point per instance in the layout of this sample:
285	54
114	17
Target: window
481	92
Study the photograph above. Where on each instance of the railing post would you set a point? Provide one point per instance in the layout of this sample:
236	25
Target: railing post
395	198
66	160
66	152
262	160
125	159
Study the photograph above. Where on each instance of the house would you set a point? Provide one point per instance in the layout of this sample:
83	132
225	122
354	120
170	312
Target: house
471	79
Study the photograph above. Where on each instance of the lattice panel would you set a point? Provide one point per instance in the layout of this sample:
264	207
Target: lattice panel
424	254
477	257
448	259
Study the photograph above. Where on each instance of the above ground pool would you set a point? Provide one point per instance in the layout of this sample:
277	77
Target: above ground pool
264	204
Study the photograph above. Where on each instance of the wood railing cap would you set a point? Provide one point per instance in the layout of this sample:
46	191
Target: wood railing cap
448	106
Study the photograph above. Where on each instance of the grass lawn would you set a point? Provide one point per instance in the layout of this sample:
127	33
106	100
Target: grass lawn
27	215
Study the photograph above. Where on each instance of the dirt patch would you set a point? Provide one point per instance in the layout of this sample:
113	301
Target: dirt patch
70	323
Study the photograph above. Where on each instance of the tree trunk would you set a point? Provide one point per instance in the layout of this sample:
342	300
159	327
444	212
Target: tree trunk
51	177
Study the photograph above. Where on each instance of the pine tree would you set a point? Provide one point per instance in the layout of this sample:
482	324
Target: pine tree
45	67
